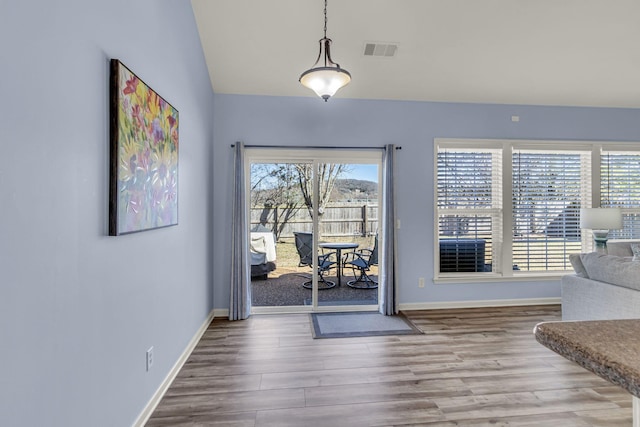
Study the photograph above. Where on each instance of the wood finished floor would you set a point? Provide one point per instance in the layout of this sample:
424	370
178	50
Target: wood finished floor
472	367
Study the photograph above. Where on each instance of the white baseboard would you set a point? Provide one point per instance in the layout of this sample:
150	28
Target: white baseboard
221	312
478	304
157	396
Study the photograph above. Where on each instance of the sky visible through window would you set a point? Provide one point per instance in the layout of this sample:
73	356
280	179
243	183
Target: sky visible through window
364	172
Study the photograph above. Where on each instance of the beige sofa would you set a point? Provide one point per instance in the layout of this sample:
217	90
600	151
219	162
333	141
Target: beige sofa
603	286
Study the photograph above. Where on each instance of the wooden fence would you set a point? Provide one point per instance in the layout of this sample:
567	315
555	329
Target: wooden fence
338	220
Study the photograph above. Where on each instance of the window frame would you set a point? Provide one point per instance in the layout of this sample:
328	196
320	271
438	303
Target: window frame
576	174
505	249
495	209
627	211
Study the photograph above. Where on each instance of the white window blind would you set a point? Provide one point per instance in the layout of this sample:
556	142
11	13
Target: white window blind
620	187
548	190
469	208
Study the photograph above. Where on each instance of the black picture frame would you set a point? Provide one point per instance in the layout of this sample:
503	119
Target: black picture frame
144	148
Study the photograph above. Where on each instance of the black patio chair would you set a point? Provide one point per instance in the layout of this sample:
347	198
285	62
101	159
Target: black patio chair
304	246
360	262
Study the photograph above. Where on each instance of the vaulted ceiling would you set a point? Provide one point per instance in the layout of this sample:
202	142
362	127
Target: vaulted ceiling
538	52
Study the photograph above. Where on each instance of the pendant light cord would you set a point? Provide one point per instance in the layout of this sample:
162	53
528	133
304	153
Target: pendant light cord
325	19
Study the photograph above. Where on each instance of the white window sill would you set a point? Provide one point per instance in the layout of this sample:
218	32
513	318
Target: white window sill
493	277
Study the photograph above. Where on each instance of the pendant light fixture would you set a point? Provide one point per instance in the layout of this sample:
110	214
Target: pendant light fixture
325	77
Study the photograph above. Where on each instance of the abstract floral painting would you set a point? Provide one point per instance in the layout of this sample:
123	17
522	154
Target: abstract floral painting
144	156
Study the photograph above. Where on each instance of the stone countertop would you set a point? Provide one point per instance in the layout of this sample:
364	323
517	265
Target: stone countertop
608	348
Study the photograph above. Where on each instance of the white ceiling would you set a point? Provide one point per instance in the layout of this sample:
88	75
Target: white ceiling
539	52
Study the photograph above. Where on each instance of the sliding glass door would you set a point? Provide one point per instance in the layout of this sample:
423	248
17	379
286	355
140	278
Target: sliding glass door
314	229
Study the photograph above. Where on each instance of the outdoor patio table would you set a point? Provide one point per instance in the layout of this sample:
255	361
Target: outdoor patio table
338	247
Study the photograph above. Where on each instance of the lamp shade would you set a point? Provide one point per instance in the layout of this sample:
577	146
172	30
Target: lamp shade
325	81
601	218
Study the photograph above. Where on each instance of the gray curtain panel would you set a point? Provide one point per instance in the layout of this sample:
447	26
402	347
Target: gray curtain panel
388	279
240	301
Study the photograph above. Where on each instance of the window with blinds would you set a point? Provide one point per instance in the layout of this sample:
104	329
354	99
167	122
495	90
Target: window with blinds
548	190
481	231
620	187
469	208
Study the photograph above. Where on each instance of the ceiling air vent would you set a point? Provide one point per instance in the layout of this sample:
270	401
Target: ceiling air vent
380	49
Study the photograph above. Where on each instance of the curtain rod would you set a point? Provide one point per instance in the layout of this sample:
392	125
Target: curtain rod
316	147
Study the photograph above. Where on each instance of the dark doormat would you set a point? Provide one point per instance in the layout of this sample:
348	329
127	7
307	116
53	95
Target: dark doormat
360	324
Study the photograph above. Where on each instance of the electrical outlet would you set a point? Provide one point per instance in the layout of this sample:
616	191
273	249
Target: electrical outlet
149	358
421	282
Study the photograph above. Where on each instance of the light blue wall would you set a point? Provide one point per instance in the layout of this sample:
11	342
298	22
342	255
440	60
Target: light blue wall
412	125
78	309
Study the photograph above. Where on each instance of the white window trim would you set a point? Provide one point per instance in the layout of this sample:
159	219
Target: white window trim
507	146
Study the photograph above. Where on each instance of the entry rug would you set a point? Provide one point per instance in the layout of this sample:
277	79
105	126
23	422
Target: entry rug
360	324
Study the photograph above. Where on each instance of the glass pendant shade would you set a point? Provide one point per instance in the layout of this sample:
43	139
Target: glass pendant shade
325	77
325	81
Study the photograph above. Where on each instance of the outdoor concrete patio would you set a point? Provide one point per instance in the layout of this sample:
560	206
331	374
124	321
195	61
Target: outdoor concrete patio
283	287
